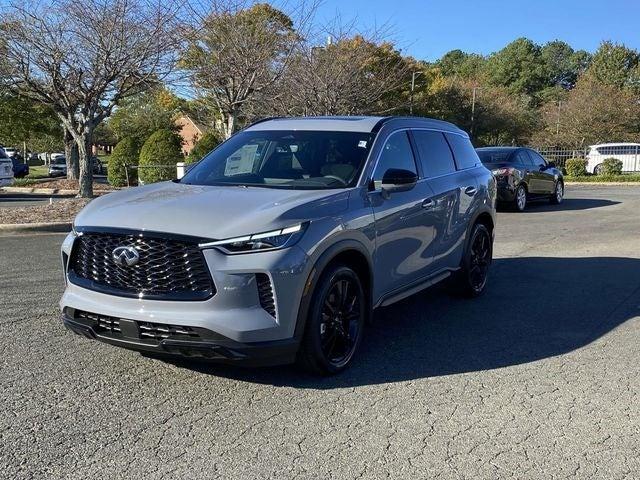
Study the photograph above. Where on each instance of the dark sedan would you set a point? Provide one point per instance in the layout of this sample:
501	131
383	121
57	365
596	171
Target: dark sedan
522	174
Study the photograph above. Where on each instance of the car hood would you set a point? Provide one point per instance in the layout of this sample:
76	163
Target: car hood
215	212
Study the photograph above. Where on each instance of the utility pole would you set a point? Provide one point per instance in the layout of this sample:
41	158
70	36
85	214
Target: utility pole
413	87
473	108
558	120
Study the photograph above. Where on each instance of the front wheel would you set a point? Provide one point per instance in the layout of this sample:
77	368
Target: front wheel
335	323
558	193
471	279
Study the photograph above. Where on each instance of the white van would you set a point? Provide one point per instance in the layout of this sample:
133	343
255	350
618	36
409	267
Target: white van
6	169
627	153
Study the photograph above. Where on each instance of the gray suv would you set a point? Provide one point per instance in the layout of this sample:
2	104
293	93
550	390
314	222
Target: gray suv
277	246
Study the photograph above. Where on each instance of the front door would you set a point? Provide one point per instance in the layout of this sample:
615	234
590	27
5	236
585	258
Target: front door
404	221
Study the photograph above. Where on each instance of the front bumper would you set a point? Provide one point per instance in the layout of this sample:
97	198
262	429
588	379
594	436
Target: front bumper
203	344
238	323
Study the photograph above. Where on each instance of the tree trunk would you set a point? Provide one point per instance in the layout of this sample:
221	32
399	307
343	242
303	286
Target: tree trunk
231	121
71	154
86	170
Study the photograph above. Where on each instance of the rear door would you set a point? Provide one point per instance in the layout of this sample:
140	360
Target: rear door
449	197
404	225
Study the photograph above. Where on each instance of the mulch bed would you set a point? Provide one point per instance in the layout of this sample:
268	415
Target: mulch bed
58	211
64	184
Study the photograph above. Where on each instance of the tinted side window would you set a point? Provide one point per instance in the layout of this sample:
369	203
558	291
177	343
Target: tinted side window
396	153
463	151
435	154
521	158
537	158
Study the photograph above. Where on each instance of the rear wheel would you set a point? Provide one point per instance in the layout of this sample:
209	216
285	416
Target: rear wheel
597	170
334	327
471	279
520	201
558	193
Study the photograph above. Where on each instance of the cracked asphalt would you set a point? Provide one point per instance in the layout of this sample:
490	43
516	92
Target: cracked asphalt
537	379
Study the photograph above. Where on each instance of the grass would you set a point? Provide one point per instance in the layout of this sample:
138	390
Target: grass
40	171
632	177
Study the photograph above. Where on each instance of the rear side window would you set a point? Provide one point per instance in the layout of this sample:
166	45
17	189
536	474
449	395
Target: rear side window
434	152
521	158
2	154
466	155
538	161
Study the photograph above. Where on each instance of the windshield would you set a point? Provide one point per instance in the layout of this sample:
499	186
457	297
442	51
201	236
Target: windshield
59	161
494	156
297	160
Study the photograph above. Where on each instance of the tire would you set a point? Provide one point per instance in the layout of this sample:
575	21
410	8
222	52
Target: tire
597	170
334	327
520	200
467	281
558	195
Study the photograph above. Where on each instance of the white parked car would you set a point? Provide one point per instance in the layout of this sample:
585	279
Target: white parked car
627	153
6	169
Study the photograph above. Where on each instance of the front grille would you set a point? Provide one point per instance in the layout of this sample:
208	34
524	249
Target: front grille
160	331
103	323
168	268
265	293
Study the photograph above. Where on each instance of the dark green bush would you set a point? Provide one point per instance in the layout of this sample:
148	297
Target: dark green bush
610	166
126	152
576	167
208	142
158	157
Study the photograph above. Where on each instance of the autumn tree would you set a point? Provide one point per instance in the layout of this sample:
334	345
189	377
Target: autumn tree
593	112
236	54
82	58
351	75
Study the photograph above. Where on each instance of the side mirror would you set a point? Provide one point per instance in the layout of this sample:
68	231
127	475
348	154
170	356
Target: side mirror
398	180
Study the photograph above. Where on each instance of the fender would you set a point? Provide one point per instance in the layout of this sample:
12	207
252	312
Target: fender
473	221
321	263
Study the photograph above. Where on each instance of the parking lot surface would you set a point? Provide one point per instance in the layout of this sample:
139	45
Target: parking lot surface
538	379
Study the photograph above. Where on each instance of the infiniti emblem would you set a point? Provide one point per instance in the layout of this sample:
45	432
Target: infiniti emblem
128	256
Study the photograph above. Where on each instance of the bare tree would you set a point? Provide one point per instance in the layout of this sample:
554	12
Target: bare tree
238	51
83	57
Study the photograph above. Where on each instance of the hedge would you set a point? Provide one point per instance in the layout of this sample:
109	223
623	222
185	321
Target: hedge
208	142
158	157
126	152
610	166
576	167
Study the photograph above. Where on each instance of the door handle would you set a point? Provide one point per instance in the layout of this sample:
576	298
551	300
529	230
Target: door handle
428	203
471	191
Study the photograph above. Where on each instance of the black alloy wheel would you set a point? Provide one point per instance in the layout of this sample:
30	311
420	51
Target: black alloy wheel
335	324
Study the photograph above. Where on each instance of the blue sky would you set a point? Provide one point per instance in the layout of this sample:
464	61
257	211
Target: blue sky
426	29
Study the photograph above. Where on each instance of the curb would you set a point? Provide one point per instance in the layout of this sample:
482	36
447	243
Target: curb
53	227
605	184
45	191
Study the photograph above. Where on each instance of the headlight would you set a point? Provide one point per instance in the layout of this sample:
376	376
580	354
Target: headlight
272	240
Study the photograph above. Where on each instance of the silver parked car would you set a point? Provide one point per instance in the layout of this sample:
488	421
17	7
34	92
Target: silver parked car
278	245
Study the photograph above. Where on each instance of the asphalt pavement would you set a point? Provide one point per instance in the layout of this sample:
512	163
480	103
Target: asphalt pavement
537	379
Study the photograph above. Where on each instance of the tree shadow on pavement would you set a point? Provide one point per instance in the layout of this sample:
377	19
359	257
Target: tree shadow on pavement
534	308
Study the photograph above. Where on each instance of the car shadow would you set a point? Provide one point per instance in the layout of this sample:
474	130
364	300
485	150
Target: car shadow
568	204
534	308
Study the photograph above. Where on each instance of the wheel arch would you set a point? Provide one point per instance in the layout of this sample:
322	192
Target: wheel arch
349	252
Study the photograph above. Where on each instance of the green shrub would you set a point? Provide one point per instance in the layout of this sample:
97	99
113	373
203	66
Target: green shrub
126	152
576	167
610	166
158	157
208	142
